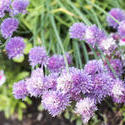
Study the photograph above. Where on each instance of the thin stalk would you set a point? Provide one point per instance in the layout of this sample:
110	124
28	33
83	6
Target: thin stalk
85	52
78	55
102	10
94	52
59	40
85	20
103	56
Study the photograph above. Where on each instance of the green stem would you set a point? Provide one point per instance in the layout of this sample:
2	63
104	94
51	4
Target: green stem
102	10
85	51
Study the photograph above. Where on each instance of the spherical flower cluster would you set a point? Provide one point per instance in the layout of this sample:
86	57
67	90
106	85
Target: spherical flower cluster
35	84
15	47
86	108
20	90
74	82
56	62
4	6
118	91
19	6
8	26
77	31
93	35
108	45
121	29
55	102
93	67
50	81
102	85
70	82
38	55
116	13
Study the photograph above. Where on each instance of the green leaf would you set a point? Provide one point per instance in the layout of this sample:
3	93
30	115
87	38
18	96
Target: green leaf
79	122
22	75
67	115
40	107
28	48
20	114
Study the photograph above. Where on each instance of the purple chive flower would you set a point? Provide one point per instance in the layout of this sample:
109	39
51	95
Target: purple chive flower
77	31
108	45
118	91
19	90
9	26
121	29
4	6
86	109
118	14
56	62
94	67
74	82
50	81
93	35
81	80
102	85
15	47
117	66
19	6
55	102
38	55
69	82
35	84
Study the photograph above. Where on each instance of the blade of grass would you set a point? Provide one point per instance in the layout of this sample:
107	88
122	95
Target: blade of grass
84	19
78	55
59	40
85	52
103	57
102	10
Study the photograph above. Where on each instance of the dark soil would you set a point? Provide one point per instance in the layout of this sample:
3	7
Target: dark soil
34	117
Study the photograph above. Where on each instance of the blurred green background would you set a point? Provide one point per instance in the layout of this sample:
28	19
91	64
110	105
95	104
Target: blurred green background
47	23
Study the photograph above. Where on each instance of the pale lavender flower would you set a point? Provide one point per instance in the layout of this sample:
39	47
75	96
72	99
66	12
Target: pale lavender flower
121	29
80	79
19	6
55	102
38	55
93	35
50	81
102	85
19	90
86	109
15	47
107	45
118	14
74	82
9	26
118	91
35	84
77	31
4	6
94	67
70	82
56	62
